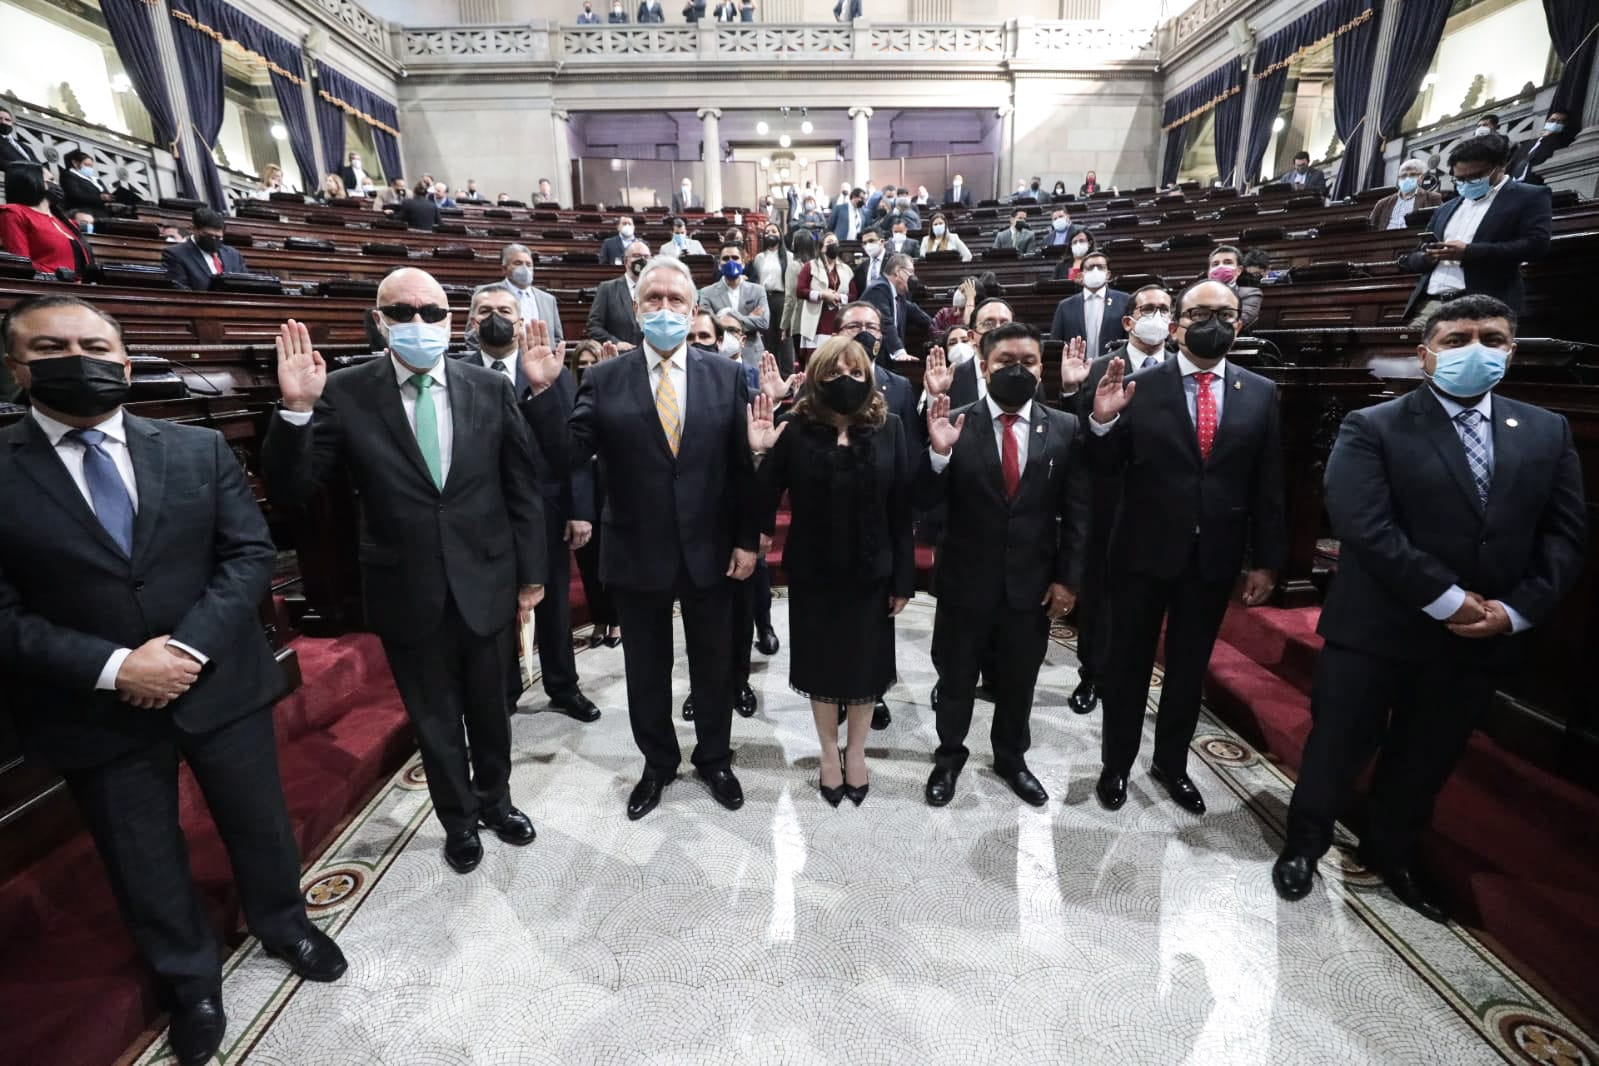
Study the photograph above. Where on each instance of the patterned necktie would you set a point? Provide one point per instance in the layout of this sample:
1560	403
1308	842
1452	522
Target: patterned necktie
427	427
1471	435
667	409
1149	361
108	493
1205	409
1010	457
498	366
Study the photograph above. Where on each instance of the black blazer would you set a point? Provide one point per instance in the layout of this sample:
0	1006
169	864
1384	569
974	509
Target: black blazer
1069	320
1515	229
417	212
695	202
995	550
896	314
1402	502
963	386
696	506
611	316
880	547
1535	152
964	199
12	150
901	399
351	186
475	541
1315	180
614	248
185	264
1231	504
78	194
202	563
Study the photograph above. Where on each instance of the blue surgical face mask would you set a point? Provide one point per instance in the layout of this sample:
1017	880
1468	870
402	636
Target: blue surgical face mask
86	228
732	269
1468	371
1059	225
938	229
417	344
1553	127
1407	186
680	239
664	329
1474	189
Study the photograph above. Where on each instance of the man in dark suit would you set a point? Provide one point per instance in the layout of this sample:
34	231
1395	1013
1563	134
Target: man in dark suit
417	212
1475	244
890	295
1532	153
967	385
132	563
495	335
191	264
354	177
900	242
958	193
848	218
611	316
1010	555
1462	521
452	535
1017	235
615	246
1302	177
82	188
1095	314
682	517
686	199
1200	459
12	148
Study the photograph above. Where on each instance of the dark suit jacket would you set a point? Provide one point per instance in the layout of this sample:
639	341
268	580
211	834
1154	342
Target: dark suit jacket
1535	152
963	386
1315	180
696	506
475	541
912	247
1069	321
695	202
651	12
901	399
1231	504
994	550
1404	506
78	194
838	220
1514	229
896	314
417	212
185	264
694	10
351	186
1022	241
202	563
964	199
614	248
12	150
611	316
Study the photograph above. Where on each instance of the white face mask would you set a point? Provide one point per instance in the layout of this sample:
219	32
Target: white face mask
1094	279
731	345
1152	330
1080	249
874	250
959	300
959	353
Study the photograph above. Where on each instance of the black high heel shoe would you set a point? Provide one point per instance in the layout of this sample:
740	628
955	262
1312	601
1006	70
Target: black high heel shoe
613	640
857	793
596	639
832	795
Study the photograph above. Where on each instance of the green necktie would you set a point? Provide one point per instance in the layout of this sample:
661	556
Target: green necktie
427	427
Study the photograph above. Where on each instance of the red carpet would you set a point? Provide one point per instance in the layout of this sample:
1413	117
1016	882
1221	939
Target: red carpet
74	992
1514	847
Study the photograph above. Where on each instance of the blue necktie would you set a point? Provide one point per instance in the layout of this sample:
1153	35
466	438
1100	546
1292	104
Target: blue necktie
108	493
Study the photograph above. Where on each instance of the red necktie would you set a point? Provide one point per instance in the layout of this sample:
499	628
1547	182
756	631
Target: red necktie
1010	458
216	261
1205	409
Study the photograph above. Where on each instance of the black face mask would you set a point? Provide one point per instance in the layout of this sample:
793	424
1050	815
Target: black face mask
868	340
1035	186
636	267
208	245
1209	340
1011	386
830	251
1021	224
769	241
844	394
5	129
78	385
496	331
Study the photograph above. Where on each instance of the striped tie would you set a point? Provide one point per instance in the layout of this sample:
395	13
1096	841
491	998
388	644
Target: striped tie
666	407
1471	436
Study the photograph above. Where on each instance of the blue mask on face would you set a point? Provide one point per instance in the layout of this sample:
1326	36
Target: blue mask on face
1407	186
417	344
1553	127
664	329
1469	371
732	269
1475	189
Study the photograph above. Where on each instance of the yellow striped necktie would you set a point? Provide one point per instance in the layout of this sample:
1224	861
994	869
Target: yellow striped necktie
667	408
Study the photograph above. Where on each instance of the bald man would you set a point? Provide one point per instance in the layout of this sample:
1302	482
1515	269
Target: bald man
452	534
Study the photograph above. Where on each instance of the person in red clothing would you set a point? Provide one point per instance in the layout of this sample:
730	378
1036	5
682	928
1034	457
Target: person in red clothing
825	284
30	227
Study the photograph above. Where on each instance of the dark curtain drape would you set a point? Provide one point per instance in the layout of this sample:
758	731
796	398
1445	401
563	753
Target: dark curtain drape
1354	55
387	144
1229	126
369	104
201	57
1172	158
279	53
1419	29
134	37
330	120
1574	31
1215	89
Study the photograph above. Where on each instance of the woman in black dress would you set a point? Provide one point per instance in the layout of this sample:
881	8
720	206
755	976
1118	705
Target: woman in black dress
844	462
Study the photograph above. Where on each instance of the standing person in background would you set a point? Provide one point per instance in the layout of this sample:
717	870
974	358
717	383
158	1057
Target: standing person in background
611	318
686	199
693	11
1302	177
824	286
613	247
545	197
770	270
618	15
847	10
649	11
1090	184
605	626
534	304
746	11
1095	314
353	175
418	211
747	301
587	17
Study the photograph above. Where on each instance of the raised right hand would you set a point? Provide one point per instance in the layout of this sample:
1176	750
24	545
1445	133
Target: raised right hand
937	377
1073	365
151	676
763	433
302	375
941	432
1112	396
541	364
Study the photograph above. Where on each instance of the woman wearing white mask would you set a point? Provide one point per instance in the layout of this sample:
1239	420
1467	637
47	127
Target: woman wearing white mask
1070	265
942	239
961	303
824	285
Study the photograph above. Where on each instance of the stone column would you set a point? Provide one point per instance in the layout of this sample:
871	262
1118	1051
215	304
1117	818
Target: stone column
1007	151
861	153
561	180
1365	150
711	156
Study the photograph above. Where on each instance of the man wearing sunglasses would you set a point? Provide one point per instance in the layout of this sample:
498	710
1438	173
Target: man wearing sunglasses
1200	461
452	551
746	301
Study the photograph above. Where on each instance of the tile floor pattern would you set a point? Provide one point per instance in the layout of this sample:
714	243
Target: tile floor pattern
790	932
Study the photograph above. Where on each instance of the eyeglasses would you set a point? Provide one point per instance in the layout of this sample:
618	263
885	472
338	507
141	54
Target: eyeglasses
406	312
1201	315
1147	310
854	327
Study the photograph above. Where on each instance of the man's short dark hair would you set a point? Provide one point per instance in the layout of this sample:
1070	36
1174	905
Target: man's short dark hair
1096	255
1301	154
30	304
857	191
1490	148
1182	297
977	312
205	218
736	245
74	157
1490	118
709	312
1475	308
1017	330
1132	301
1225	249
676	221
7	111
847	308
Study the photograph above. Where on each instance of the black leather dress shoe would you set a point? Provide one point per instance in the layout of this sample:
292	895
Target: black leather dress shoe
646	796
613	640
1111	790
880	716
941	786
1180	789
744	701
767	643
314	956
688	709
1024	784
463	850
1084	698
511	826
577	706
1403	883
197	1031
724	787
1292	875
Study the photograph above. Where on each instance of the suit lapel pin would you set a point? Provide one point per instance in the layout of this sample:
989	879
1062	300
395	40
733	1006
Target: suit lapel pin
1512	423
1040	428
1237	385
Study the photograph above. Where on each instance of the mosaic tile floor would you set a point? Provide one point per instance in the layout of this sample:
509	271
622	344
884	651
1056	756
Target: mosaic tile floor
790	932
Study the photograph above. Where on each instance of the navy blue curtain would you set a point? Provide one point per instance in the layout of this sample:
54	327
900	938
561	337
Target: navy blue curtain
1220	86
134	38
1230	125
1354	55
1172	158
201	57
330	120
1420	27
1574	31
367	102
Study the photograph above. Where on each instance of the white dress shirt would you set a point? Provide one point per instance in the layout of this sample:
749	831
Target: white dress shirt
526	303
1132	361
1449	275
1093	316
676	364
441	405
508	363
770	271
1020	432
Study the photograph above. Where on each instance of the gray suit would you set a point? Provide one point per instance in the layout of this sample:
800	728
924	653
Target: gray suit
547	310
748	302
1009	237
611	316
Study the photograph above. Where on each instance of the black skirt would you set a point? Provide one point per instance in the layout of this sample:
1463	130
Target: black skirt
840	642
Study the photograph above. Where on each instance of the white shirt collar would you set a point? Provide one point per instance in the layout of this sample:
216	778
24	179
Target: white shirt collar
55	430
1187	366
677	357
403	373
488	360
1024	415
1094	294
1453	406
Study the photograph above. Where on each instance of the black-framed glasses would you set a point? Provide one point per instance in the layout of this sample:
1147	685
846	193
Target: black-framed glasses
1201	315
406	312
1147	310
854	327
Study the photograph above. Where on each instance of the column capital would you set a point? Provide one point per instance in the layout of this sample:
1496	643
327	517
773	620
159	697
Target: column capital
860	112
712	112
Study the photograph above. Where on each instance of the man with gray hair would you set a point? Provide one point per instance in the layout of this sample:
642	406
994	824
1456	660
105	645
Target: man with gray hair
1390	211
611	317
516	261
